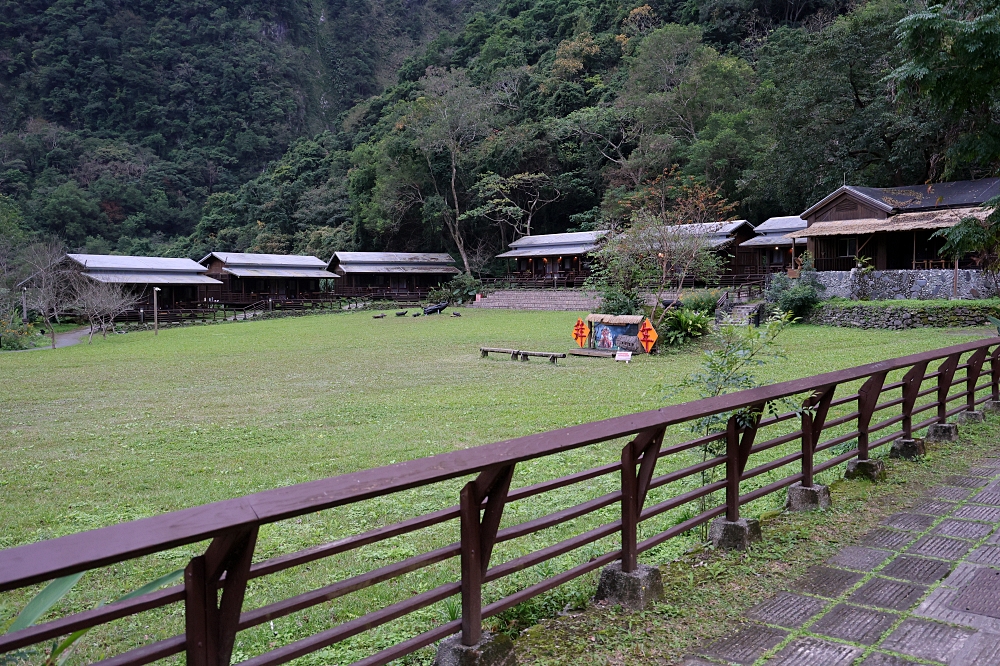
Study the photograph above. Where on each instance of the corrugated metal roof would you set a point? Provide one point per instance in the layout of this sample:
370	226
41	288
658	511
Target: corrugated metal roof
569	238
315	273
770	240
940	219
781	224
549	251
416	269
157	264
959	193
393	257
714	228
144	277
246	259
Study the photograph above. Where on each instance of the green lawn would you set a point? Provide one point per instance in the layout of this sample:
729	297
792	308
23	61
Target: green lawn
135	425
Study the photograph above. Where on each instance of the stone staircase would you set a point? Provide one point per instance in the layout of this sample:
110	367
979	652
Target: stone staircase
540	299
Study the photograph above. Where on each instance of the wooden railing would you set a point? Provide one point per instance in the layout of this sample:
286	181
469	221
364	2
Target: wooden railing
844	415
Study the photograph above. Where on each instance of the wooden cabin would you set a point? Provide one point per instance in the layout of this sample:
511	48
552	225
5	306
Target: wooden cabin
552	259
727	238
182	282
773	250
891	226
250	278
399	275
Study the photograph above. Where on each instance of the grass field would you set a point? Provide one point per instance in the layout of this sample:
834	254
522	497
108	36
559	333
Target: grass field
135	425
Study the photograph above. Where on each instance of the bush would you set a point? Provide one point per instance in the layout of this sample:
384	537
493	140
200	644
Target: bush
683	325
15	335
704	301
621	302
459	289
799	300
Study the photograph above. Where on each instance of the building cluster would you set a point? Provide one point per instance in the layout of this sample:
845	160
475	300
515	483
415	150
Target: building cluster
888	228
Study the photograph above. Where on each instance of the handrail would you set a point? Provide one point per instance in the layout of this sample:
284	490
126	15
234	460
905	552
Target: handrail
233	523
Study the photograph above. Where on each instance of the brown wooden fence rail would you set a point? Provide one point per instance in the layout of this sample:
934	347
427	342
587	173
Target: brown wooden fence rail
879	412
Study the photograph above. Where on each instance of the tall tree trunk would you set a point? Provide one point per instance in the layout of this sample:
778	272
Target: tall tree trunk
456	231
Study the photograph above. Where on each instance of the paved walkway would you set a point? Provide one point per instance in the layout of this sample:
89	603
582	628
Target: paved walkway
922	589
67	339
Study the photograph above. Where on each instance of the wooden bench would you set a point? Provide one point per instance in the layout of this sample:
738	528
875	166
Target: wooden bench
516	354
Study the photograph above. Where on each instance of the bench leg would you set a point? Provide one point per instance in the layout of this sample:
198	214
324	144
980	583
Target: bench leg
524	357
484	353
514	355
552	360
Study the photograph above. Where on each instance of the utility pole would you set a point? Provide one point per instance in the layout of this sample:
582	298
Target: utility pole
156	312
24	305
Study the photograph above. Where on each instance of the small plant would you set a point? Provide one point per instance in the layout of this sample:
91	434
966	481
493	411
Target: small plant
683	325
459	289
452	609
704	301
797	296
14	334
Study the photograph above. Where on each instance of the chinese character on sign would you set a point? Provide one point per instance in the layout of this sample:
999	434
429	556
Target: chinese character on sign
647	335
581	332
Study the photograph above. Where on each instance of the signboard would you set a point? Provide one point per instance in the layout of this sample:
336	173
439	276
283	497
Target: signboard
647	335
623	356
581	332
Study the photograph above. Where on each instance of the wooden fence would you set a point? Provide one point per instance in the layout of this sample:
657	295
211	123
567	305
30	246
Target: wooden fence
868	407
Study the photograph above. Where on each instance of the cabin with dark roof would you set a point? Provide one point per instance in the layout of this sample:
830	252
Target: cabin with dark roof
403	276
181	281
250	278
891	226
772	250
551	259
727	238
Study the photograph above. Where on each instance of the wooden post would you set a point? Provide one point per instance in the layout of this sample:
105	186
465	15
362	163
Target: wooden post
211	625
868	396
644	451
973	369
732	470
946	373
814	411
156	313
912	382
478	538
995	372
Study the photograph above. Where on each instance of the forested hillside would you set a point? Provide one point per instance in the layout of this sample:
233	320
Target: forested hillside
315	127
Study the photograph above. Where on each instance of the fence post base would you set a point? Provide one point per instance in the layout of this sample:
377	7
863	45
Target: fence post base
991	406
971	416
734	534
491	650
908	449
942	432
869	470
634	590
806	499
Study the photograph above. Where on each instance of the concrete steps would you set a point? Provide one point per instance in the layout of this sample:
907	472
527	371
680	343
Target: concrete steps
540	299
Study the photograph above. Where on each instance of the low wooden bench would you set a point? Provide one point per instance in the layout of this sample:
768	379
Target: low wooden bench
516	354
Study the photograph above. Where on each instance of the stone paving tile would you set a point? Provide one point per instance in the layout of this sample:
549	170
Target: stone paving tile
859	558
944	548
937	606
826	581
787	610
927	640
953	493
885	593
988	554
911	522
809	651
962	529
965	481
983	648
981	595
882	659
855	624
888	539
747	645
990	514
962	574
916	569
989	496
934	507
987	470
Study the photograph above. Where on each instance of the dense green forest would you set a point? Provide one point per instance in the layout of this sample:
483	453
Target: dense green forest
349	124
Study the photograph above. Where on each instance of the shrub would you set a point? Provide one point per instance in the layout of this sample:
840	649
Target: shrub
459	289
704	301
683	325
799	300
621	302
15	335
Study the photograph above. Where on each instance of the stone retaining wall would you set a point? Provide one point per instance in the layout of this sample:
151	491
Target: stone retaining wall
916	285
899	317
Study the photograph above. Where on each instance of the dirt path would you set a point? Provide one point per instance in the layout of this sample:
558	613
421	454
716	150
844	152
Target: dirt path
67	339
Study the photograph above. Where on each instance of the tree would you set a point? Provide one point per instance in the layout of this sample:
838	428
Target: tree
49	287
514	200
101	302
449	119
